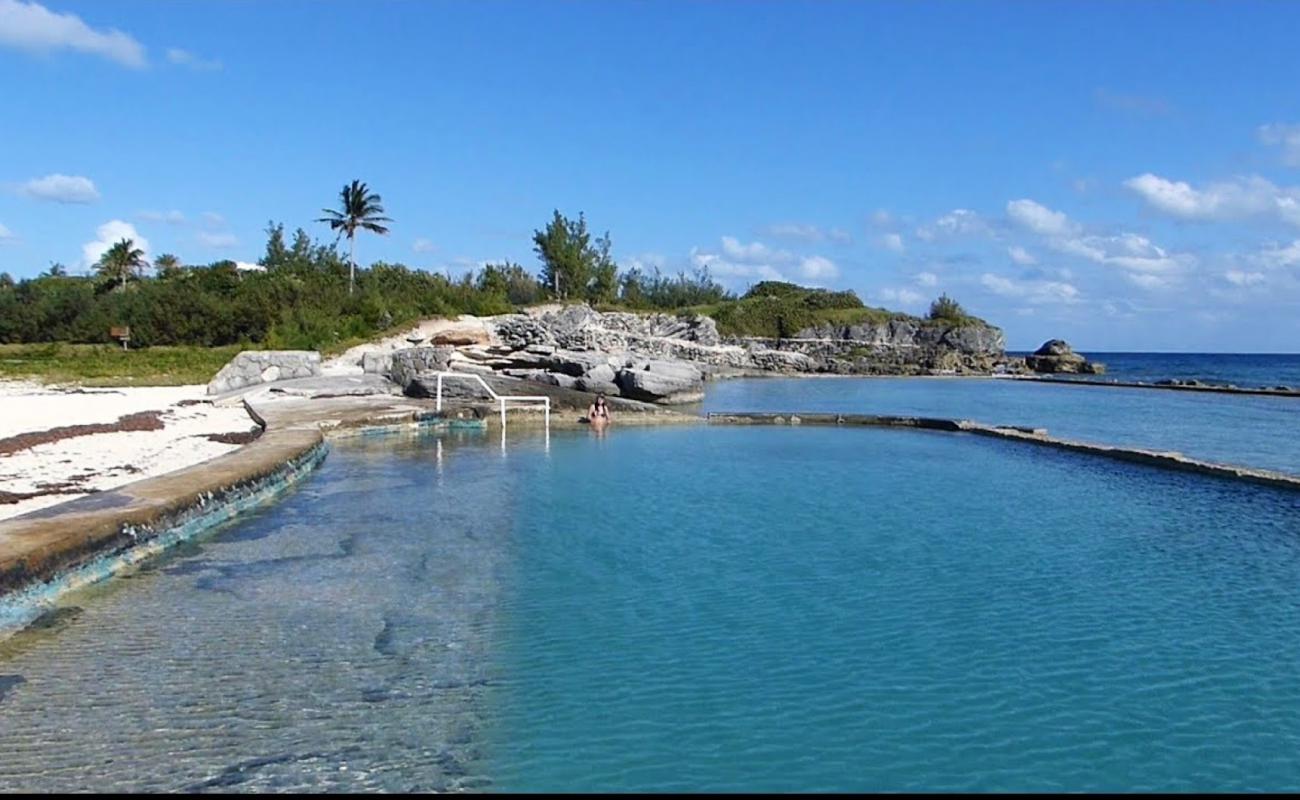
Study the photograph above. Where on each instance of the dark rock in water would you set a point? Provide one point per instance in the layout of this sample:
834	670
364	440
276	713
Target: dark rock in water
55	619
1056	356
8	682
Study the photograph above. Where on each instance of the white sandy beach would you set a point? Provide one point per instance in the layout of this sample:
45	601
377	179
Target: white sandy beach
80	464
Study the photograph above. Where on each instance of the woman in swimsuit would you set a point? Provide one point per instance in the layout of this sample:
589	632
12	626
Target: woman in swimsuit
598	412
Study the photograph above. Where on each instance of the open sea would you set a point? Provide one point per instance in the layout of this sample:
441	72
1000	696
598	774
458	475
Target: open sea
712	609
1241	369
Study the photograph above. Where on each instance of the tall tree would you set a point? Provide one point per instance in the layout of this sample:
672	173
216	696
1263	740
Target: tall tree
168	265
121	262
361	209
573	264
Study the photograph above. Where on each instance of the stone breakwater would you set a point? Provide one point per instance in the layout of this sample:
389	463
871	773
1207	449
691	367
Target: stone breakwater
1036	436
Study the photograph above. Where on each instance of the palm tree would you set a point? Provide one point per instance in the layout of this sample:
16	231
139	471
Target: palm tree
121	262
168	265
361	209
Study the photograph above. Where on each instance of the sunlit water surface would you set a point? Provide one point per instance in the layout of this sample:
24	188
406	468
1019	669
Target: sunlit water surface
689	608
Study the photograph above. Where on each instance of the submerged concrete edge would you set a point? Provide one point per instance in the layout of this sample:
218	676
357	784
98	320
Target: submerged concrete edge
46	553
1035	436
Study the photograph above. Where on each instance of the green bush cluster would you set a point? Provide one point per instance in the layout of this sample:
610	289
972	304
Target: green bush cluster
779	310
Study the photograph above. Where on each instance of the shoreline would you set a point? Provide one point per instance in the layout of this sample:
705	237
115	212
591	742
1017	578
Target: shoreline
47	552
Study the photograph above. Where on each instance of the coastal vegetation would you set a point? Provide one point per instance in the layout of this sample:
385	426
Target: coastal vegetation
110	365
304	294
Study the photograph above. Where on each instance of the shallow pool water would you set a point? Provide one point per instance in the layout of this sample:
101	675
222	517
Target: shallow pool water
689	608
1256	431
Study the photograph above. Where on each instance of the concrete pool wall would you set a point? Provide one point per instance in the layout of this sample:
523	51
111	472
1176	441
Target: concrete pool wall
50	552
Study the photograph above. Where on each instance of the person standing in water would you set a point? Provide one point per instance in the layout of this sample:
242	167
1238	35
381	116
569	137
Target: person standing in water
598	413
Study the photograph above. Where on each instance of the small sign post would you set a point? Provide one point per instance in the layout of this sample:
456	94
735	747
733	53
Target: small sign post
122	333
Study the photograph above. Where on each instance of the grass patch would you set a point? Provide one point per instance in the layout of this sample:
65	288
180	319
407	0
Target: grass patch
110	365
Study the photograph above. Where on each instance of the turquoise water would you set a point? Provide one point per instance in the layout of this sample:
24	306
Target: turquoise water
688	608
1252	431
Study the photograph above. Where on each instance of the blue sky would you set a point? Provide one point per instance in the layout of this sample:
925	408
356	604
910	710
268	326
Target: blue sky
1123	175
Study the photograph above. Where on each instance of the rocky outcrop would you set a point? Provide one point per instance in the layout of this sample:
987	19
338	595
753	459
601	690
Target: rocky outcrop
405	366
1056	356
254	367
665	358
661	381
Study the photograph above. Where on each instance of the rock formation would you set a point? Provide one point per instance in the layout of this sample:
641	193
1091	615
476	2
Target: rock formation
1056	356
665	358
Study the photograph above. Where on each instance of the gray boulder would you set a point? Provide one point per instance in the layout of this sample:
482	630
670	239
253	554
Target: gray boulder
661	381
1056	356
409	363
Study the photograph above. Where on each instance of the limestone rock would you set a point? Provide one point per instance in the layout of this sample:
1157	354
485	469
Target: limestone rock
661	381
255	367
411	362
1056	356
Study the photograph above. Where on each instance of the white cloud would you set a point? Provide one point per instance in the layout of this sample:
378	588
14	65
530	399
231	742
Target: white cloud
1278	256
958	222
1040	219
892	242
754	252
172	217
839	236
5	234
1239	278
217	241
1240	198
818	268
109	234
1285	136
1021	256
927	279
423	245
32	27
1128	251
726	270
187	59
1036	292
902	297
213	219
1148	281
61	188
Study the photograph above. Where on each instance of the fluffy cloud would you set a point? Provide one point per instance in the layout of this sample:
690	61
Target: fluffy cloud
1021	256
1040	219
32	27
5	234
423	245
892	242
1036	292
1279	256
927	279
109	234
753	253
61	188
818	269
187	59
1285	136
1240	198
958	222
1139	257
1239	278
